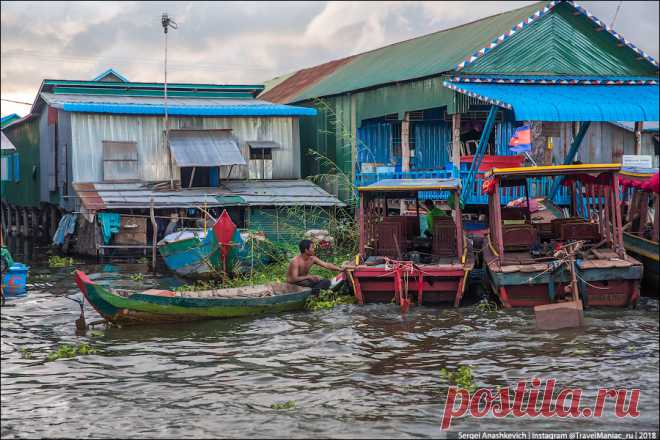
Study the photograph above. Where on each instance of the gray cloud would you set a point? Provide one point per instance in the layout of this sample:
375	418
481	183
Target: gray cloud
232	42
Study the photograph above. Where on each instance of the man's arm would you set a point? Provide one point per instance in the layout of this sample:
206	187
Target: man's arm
326	265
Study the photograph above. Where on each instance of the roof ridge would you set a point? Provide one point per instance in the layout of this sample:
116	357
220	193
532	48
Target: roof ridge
408	40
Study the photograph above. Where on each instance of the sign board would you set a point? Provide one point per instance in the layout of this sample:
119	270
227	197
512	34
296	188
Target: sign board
637	161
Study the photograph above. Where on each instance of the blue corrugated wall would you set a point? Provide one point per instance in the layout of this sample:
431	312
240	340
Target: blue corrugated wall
374	143
431	141
503	133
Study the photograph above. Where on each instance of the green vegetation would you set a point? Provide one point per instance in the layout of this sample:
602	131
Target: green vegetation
25	353
68	351
57	261
290	404
328	299
137	276
486	307
461	378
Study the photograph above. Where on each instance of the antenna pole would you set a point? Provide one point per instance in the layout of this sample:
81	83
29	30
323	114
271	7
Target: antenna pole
165	21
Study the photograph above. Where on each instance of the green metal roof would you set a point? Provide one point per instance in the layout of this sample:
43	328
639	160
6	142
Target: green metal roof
464	46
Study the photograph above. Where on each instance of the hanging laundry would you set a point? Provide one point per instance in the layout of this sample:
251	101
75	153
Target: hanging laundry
110	224
66	226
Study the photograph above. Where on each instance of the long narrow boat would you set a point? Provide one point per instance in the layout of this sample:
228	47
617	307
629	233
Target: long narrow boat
202	253
397	262
125	307
520	244
641	231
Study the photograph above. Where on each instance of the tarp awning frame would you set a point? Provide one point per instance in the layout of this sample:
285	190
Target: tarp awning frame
204	148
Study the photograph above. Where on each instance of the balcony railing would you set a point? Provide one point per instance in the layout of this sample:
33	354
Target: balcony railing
538	186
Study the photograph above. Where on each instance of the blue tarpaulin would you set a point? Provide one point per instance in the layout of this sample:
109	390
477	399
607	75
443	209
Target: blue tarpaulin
110	224
565	103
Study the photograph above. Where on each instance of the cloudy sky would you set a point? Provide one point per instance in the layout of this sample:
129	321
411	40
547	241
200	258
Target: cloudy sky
232	42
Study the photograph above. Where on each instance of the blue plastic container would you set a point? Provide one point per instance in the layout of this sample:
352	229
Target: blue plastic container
15	280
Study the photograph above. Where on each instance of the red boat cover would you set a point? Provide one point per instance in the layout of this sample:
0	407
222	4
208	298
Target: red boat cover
651	185
224	229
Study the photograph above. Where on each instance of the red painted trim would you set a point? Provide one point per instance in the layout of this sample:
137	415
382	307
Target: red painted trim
504	297
357	290
420	289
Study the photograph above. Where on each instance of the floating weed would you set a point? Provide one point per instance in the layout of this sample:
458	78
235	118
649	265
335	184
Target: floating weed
486	307
25	353
462	378
136	276
328	299
68	351
95	334
632	348
290	404
57	261
142	260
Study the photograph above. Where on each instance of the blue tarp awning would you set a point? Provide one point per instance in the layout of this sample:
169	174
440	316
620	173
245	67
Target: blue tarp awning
565	103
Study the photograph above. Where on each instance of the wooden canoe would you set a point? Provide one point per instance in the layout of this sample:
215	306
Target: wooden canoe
162	306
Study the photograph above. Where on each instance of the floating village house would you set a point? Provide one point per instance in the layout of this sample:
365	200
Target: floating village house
449	101
98	147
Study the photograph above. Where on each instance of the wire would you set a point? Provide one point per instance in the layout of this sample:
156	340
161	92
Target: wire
16	102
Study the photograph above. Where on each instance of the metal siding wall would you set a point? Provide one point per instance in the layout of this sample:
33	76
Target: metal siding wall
46	156
503	133
23	189
432	141
374	143
64	168
89	130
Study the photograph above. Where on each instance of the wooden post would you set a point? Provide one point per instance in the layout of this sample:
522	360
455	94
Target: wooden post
53	220
497	219
456	140
458	220
656	222
616	209
24	229
154	226
639	126
5	217
361	222
405	152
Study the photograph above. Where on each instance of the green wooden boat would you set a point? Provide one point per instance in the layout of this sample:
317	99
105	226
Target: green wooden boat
161	306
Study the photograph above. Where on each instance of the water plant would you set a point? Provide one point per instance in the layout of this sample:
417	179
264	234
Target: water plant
57	261
462	377
328	299
486	306
25	353
289	404
66	351
136	276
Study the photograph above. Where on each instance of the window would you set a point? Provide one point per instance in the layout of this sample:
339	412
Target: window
261	162
6	168
120	161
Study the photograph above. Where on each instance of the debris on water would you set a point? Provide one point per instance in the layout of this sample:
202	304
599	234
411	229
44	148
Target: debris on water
290	404
25	353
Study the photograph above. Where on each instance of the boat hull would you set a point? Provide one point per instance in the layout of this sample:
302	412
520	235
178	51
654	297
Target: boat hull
645	251
430	286
140	308
530	286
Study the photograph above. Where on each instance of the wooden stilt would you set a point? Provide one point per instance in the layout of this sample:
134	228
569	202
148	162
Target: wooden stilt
154	226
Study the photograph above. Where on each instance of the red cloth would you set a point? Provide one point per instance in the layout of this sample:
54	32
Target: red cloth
601	179
488	186
650	185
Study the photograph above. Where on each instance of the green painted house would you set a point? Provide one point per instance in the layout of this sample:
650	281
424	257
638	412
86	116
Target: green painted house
398	109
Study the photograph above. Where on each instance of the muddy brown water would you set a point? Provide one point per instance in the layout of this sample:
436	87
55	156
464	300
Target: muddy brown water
353	371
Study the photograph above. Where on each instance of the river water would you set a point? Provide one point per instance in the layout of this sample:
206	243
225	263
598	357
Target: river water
353	371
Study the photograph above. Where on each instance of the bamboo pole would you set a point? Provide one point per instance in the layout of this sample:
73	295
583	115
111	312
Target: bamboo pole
154	235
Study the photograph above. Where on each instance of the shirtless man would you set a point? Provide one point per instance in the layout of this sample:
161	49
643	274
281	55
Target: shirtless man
300	265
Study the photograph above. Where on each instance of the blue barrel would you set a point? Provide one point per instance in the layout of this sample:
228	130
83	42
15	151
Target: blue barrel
14	281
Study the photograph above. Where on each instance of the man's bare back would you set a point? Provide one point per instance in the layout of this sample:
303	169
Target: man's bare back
299	269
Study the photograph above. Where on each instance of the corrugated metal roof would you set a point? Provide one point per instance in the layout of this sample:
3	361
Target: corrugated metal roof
205	148
102	196
649	126
9	119
148	105
6	144
565	103
412	185
419	57
444	51
281	193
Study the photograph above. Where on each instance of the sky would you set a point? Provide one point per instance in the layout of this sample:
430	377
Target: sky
233	42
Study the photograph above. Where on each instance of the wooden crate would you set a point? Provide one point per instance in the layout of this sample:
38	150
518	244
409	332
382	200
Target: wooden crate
133	230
